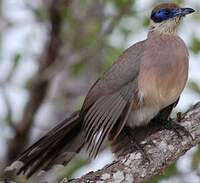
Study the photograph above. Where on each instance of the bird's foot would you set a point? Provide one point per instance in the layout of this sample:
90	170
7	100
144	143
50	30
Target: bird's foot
140	147
179	117
147	143
173	126
137	146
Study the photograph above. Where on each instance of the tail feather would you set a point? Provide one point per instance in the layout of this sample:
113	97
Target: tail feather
66	138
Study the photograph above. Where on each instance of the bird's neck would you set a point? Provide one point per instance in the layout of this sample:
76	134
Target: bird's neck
165	27
154	34
159	37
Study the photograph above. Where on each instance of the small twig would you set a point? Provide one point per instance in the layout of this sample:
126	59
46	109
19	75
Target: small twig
9	109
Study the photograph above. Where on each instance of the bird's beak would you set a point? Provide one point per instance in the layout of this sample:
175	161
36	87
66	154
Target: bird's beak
184	11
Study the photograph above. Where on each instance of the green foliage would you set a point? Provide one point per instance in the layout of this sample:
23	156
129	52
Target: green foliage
194	86
16	60
125	31
22	179
73	166
77	68
146	22
111	55
178	1
195	44
171	171
40	14
93	31
83	34
196	16
196	158
85	3
121	3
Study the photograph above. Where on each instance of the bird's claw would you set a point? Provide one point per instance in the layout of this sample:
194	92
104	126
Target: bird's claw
173	126
140	148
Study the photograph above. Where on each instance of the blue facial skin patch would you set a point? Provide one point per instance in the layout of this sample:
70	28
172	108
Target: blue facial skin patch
165	14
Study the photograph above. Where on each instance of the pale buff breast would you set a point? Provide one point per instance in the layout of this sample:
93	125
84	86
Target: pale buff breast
162	78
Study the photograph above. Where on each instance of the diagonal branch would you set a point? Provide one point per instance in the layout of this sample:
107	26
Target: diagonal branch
166	150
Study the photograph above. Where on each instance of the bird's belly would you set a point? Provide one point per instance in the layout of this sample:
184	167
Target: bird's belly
142	115
153	99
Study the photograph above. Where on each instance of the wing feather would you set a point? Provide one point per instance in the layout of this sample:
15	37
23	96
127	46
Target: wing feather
100	114
112	112
106	129
109	101
103	116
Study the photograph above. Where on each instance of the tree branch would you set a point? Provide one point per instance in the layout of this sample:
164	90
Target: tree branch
39	87
167	148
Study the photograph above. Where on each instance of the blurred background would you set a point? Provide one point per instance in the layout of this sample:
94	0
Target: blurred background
52	51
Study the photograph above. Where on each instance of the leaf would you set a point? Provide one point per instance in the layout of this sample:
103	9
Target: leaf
146	22
14	67
74	165
195	45
77	68
179	1
123	3
111	55
171	171
196	158
194	86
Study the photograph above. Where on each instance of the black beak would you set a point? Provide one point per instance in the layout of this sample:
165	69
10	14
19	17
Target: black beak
184	11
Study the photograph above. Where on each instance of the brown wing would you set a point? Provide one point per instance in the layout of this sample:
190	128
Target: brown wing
110	99
104	114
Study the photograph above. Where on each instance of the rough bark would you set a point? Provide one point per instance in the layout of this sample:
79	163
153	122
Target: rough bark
166	149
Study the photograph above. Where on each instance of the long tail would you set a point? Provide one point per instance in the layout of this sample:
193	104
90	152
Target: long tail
58	146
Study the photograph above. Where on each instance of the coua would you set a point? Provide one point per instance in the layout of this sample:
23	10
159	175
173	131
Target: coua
145	82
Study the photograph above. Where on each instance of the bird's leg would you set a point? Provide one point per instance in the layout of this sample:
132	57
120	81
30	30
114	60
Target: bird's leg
170	124
179	117
135	144
149	142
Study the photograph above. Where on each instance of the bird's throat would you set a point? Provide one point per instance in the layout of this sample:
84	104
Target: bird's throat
166	27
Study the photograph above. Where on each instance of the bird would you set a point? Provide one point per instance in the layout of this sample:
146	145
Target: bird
143	84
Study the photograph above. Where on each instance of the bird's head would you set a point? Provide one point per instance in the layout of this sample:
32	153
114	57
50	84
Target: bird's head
167	16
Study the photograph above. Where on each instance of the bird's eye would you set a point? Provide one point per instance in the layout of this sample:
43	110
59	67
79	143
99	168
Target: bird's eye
162	15
167	12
